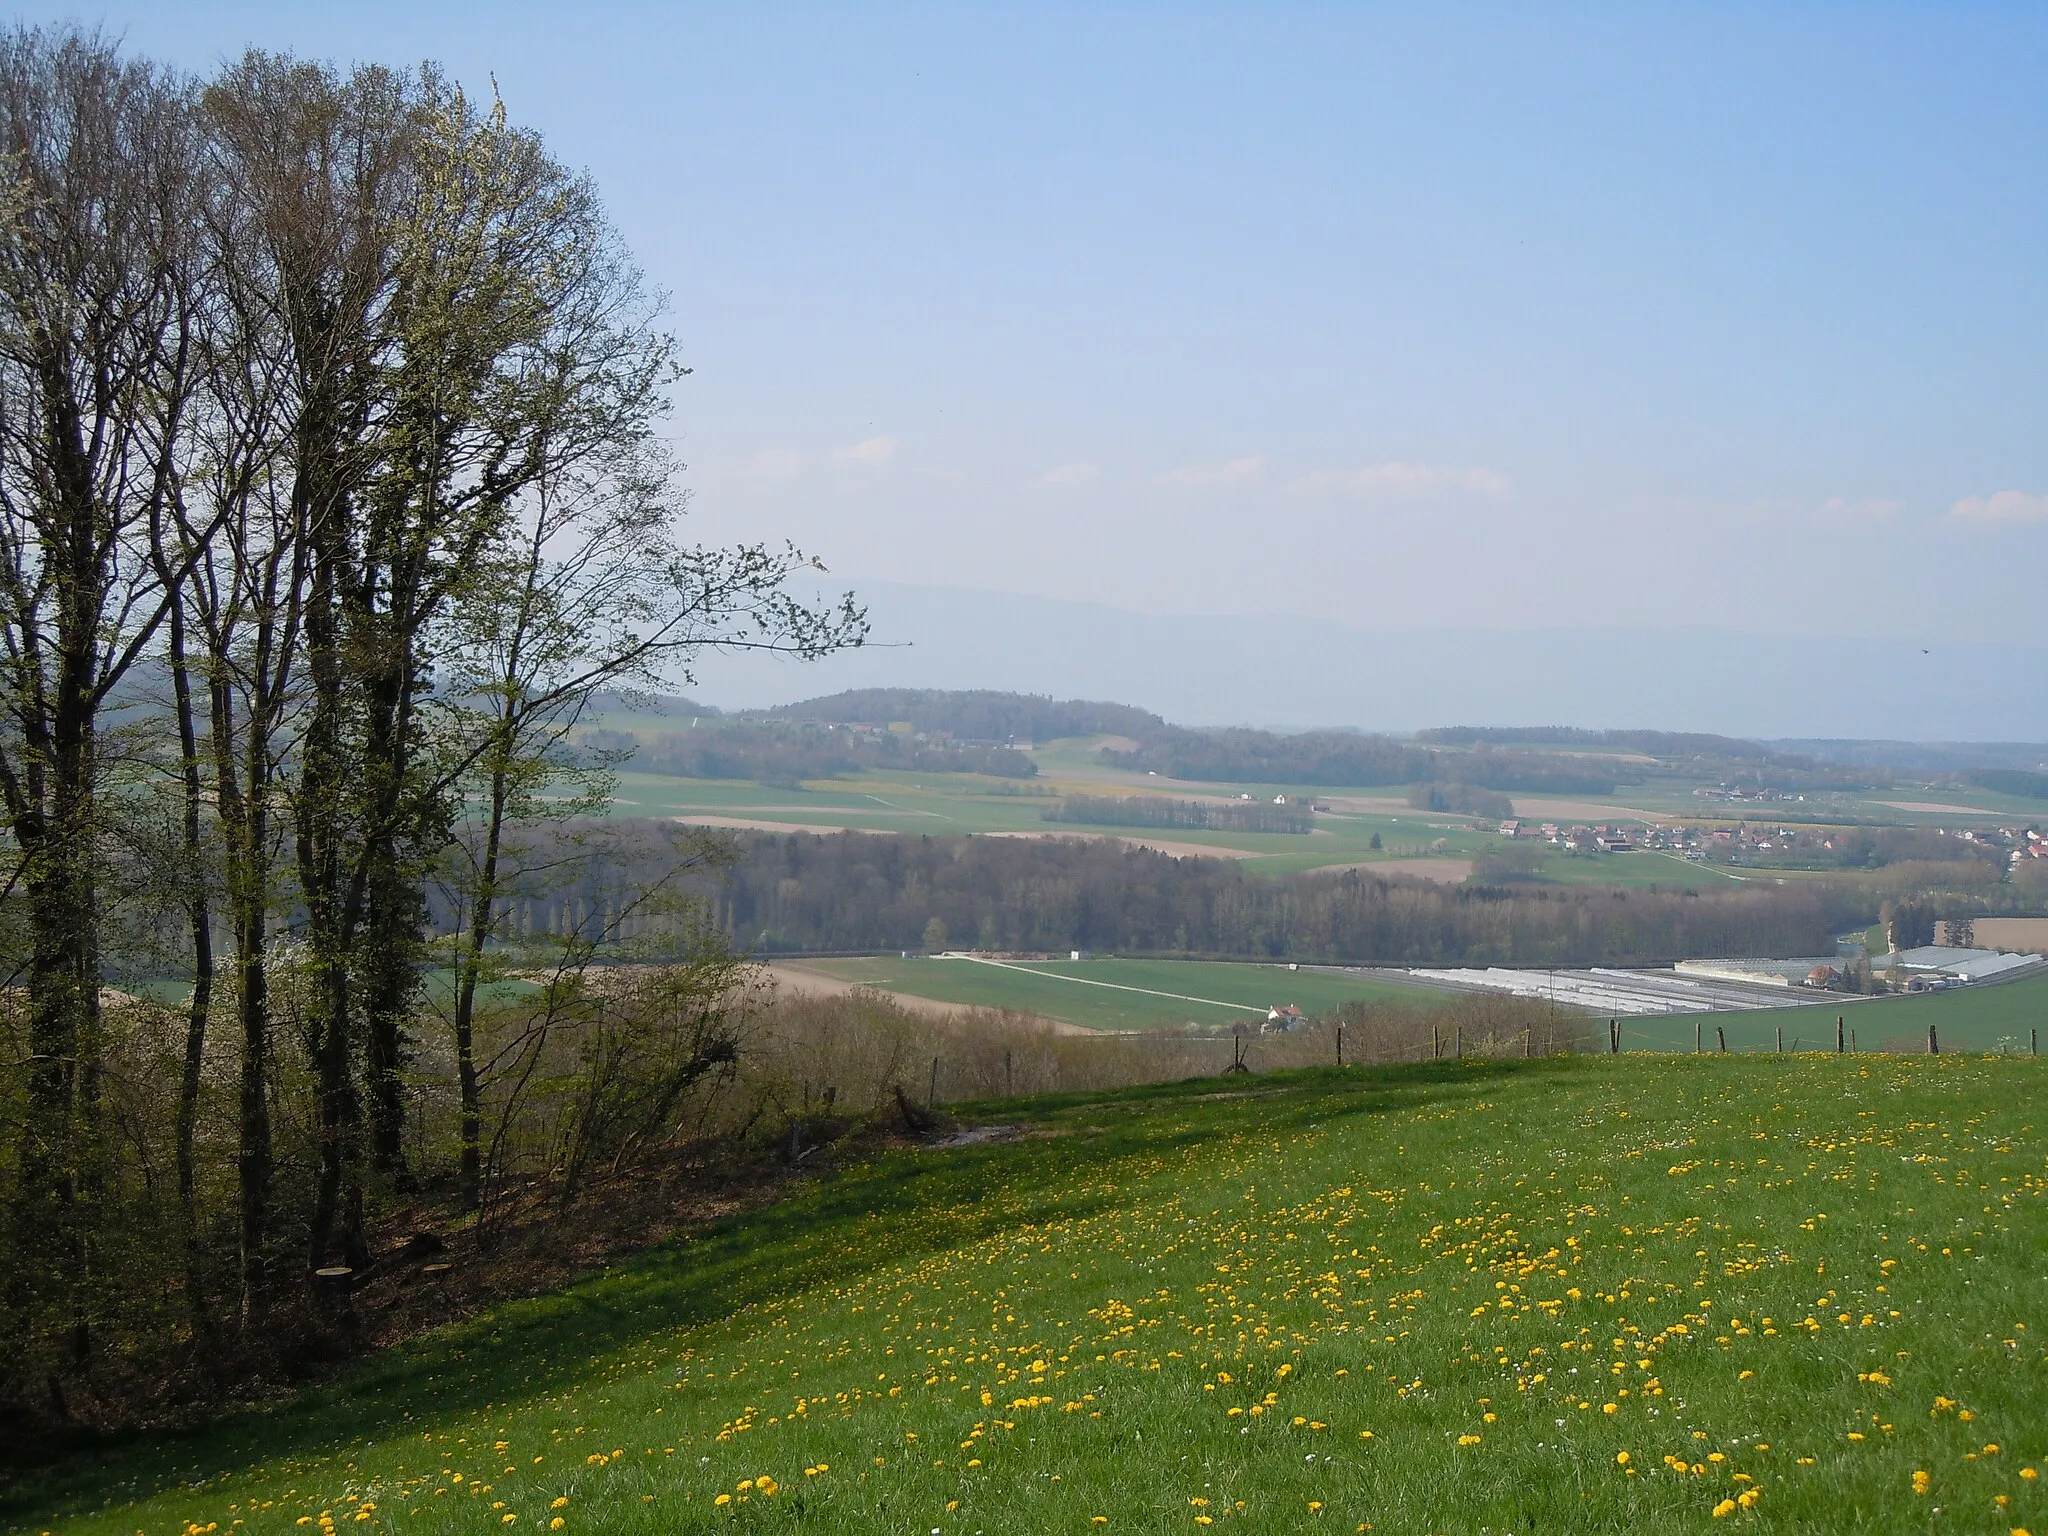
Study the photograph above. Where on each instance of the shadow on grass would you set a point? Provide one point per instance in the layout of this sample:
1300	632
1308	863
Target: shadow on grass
846	1224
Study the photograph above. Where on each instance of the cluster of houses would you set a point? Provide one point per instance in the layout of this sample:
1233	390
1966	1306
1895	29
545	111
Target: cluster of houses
2020	843
1613	838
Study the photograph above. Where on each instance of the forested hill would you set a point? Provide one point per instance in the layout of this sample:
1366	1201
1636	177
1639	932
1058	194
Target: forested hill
976	730
1650	743
1342	757
979	714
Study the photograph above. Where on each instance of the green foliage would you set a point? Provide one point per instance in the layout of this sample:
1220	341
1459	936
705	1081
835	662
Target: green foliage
785	753
862	893
1460	799
2012	781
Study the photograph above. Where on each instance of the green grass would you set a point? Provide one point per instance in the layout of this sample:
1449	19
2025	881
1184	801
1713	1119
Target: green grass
1093	993
1461	1296
955	804
1993	1018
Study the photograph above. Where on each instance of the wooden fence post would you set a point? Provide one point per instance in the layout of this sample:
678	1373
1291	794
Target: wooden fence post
1721	1034
1933	1044
1840	1022
1781	1039
1340	1042
1699	1036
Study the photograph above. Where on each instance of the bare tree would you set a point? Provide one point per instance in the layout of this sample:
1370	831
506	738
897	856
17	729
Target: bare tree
95	376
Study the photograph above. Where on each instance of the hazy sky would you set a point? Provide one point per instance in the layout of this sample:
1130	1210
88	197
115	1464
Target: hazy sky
1397	316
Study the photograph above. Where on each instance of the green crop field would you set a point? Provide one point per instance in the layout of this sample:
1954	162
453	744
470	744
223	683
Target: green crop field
953	804
1653	1294
1994	1018
1123	994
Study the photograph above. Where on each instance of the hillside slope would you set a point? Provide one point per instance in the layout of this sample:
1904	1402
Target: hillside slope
1591	1294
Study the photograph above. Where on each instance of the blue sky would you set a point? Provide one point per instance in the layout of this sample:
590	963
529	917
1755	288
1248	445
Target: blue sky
1396	316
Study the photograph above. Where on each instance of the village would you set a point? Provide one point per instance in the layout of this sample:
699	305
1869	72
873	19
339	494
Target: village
2015	844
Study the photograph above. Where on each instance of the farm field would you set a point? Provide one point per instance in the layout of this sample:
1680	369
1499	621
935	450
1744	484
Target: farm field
1120	994
941	803
953	804
1652	1293
1993	1018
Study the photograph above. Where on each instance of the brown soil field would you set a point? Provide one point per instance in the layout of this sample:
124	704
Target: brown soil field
2021	935
1541	809
755	824
1157	845
1932	808
795	977
1442	871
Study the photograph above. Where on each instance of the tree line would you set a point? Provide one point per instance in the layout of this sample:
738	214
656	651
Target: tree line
977	714
331	489
867	892
1345	758
1460	799
783	753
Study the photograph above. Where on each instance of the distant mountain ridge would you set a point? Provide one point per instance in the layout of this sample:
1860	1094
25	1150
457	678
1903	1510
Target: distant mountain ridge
1264	665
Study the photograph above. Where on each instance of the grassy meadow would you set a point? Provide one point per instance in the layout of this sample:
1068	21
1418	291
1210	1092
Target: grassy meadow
1667	1293
1123	994
1995	1018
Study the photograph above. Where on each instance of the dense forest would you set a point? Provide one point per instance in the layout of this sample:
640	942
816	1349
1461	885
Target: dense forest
784	753
2012	781
1192	815
853	891
1460	799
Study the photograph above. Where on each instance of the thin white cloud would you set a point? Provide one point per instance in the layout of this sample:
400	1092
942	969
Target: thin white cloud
1398	479
875	452
1072	474
1843	509
1230	472
780	463
2003	507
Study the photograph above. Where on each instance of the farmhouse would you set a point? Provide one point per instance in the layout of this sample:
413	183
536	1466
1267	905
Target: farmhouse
1281	1017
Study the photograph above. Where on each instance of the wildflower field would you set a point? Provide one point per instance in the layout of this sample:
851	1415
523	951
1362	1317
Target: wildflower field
1596	1294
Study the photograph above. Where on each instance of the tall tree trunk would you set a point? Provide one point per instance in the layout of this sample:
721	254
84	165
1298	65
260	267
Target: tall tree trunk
200	916
483	903
321	826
